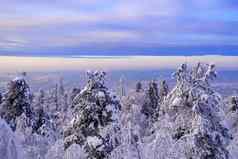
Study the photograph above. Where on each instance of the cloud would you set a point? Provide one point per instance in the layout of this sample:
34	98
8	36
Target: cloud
93	37
36	64
9	43
79	23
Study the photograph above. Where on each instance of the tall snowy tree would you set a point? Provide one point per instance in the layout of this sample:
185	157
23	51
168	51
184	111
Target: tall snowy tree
61	87
121	88
163	90
138	87
41	98
134	127
151	106
16	101
234	103
210	136
63	101
95	124
0	97
56	97
41	117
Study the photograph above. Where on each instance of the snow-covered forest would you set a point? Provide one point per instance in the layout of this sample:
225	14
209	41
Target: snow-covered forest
188	120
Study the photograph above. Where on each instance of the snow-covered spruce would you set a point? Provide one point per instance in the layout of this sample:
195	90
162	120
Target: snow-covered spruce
151	105
234	103
121	88
16	101
139	87
163	90
40	116
0	97
95	124
196	112
210	136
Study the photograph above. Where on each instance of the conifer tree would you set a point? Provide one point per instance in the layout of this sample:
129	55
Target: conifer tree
95	121
163	90
16	101
122	91
138	87
194	89
234	103
151	106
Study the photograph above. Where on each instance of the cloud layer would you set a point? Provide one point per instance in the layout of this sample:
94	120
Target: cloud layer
46	64
53	27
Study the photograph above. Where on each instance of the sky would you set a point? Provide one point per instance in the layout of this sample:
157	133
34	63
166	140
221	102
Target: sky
122	27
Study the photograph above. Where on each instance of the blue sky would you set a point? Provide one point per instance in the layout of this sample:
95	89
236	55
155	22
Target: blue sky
122	27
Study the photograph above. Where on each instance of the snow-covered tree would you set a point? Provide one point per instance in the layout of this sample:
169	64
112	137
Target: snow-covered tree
234	103
56	97
41	97
210	136
151	106
198	71
189	122
121	88
139	87
163	90
134	127
41	116
197	111
16	101
95	124
232	121
74	92
0	97
61	87
63	96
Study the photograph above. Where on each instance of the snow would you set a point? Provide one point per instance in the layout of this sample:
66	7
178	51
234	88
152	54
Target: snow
18	78
189	112
74	152
94	141
10	147
177	101
101	94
